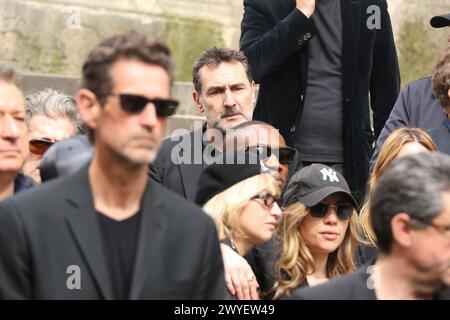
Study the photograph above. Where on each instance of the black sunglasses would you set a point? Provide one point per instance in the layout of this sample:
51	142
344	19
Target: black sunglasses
40	146
285	155
344	212
268	199
134	104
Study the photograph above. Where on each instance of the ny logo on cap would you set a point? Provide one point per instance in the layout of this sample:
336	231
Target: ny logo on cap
329	174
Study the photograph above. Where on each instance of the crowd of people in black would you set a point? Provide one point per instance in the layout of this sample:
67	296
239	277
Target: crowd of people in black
275	196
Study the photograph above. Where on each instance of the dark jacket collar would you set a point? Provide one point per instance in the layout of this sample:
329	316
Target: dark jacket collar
82	219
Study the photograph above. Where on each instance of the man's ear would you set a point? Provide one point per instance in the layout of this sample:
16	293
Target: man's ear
401	229
253	95
89	107
196	97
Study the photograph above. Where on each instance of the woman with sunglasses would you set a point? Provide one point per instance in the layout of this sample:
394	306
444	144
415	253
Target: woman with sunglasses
241	199
318	230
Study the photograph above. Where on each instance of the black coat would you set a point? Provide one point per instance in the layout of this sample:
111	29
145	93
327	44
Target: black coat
275	39
53	226
353	286
179	177
417	107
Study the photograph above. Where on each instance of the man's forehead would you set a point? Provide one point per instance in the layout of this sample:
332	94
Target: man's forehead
11	98
137	77
225	73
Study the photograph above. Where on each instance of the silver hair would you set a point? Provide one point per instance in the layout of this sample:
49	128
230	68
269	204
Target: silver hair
414	185
53	104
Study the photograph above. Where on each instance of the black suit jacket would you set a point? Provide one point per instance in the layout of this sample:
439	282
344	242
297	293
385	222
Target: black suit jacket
275	39
46	230
169	170
417	107
353	286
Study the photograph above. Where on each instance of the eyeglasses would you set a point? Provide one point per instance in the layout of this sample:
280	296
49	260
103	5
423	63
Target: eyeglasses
285	155
344	212
443	229
40	146
134	104
268	199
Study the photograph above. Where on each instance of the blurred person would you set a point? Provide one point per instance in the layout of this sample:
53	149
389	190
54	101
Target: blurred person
424	103
320	65
13	135
410	216
242	200
224	92
318	231
51	116
401	142
65	157
107	231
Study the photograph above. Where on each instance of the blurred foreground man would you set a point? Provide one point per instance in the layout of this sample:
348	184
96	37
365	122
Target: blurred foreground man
107	231
410	214
13	135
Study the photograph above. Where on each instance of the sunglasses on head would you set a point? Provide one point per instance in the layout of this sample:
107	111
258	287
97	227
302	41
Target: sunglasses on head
268	199
133	103
344	212
285	155
40	146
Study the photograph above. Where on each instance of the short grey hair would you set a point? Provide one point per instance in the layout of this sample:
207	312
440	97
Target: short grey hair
53	104
414	185
212	58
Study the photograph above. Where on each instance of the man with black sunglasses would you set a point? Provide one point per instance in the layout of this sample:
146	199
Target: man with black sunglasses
13	135
266	141
107	231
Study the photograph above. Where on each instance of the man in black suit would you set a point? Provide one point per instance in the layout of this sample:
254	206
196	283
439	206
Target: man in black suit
107	231
223	91
410	215
316	62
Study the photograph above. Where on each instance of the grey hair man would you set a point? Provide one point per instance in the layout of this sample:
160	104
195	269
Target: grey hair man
410	215
51	116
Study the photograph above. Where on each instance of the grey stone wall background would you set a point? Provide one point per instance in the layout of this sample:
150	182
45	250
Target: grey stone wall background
52	37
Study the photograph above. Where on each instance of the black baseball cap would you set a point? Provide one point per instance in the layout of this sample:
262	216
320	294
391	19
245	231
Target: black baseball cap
440	21
218	177
65	157
313	183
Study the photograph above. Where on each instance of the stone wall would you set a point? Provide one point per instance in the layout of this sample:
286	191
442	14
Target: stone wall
55	36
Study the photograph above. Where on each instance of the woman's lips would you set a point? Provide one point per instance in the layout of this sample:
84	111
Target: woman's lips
330	235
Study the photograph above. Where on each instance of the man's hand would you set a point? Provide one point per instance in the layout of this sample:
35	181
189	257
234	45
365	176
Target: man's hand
239	276
306	6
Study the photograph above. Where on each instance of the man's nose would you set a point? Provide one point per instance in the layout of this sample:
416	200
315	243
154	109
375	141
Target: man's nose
9	128
229	99
148	116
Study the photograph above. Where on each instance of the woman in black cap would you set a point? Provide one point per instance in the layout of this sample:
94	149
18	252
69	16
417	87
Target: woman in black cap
318	230
242	200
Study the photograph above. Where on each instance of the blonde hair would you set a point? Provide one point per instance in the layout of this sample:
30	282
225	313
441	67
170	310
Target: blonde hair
296	260
388	152
225	207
